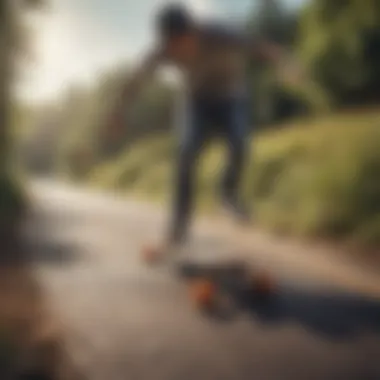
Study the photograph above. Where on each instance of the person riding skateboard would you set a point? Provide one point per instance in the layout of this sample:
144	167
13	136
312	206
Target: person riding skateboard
212	58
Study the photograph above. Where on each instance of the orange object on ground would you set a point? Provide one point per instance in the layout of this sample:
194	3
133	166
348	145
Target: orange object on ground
202	293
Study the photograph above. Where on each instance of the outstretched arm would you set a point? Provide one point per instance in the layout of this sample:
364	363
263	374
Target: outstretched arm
263	50
131	87
279	57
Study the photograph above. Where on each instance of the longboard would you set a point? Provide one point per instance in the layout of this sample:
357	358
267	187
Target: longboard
210	280
235	279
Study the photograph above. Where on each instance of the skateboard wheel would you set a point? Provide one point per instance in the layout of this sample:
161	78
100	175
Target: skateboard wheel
263	283
151	255
202	293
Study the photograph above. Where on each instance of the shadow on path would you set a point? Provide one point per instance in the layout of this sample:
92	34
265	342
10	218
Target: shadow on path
335	315
51	253
42	244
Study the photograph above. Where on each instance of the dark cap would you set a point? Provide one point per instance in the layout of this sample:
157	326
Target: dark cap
174	20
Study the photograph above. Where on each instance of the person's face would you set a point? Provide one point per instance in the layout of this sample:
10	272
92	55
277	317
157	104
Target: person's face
183	48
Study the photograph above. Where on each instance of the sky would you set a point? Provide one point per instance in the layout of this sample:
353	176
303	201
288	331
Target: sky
75	40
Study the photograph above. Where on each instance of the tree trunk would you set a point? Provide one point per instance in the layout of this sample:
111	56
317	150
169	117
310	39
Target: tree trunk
5	81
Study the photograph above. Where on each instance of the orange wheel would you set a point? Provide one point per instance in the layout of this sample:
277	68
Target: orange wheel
151	254
263	283
203	293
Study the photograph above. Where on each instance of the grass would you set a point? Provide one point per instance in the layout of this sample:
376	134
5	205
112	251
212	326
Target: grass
317	177
323	180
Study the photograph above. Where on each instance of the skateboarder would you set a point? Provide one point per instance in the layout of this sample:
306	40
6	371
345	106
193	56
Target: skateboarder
212	59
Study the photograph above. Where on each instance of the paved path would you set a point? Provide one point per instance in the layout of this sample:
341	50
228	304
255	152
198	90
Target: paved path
125	321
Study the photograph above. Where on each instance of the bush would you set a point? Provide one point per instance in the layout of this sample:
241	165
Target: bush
320	181
13	204
316	177
134	165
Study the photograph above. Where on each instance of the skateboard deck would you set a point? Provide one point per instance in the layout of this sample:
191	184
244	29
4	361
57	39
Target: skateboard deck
210	283
212	277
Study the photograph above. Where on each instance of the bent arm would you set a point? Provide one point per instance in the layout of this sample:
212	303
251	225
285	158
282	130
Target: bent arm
267	51
131	87
278	56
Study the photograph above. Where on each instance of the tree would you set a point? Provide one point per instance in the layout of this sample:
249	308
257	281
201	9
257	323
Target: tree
340	43
14	44
5	54
86	132
273	21
272	102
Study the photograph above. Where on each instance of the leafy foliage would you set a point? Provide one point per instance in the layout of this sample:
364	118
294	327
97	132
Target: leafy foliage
340	43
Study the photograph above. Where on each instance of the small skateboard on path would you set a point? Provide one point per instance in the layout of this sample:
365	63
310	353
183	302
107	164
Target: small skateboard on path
210	281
